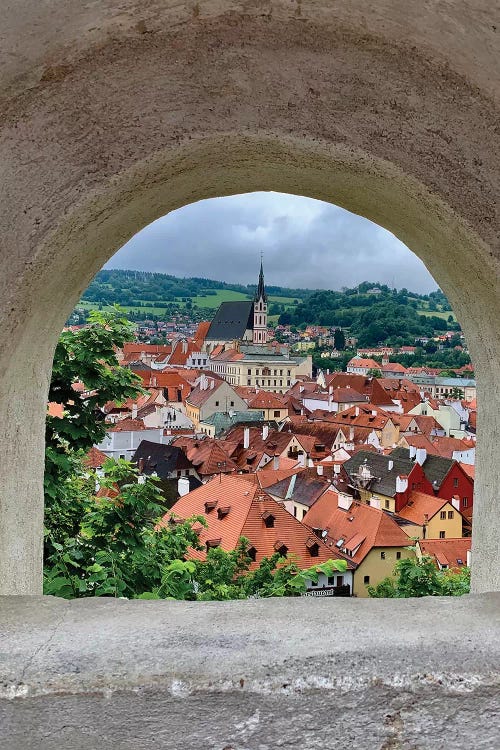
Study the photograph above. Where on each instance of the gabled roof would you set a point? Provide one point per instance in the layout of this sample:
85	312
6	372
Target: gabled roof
95	458
301	488
422	507
266	400
248	505
384	477
231	321
360	526
435	467
449	553
199	395
160	459
209	458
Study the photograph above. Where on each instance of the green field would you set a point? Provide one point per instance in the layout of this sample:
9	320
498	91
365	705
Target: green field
444	315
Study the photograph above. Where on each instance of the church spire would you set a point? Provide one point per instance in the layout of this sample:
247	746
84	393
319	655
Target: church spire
261	289
260	310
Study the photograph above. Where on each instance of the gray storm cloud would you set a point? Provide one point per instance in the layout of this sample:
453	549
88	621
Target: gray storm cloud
306	243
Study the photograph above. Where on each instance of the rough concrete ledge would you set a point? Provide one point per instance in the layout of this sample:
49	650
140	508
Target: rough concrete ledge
295	673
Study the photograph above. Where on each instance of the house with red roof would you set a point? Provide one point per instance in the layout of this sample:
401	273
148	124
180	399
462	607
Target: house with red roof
235	507
447	554
367	535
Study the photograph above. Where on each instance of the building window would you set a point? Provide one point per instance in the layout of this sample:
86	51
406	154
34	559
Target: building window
442	535
442	515
465	502
455	482
450	514
276	413
217	403
303	513
382	555
249	372
295	511
398	555
366	580
232	403
387	504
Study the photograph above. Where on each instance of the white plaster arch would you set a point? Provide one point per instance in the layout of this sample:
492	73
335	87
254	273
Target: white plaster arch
105	128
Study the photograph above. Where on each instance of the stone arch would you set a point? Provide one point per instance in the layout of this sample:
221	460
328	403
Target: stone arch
127	113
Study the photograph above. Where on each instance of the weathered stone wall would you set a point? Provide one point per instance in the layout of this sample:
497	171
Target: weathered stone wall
256	675
112	114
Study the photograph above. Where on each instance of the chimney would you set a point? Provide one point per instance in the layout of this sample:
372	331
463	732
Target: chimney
390	465
184	347
401	484
421	455
356	411
183	486
455	501
265	431
344	501
319	469
336	469
246	437
302	460
374	413
413	452
375	502
310	463
276	461
330	390
134	411
212	383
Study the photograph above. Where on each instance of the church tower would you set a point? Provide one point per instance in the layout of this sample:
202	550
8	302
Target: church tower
260	311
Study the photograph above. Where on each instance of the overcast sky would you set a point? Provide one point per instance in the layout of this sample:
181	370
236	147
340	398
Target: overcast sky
306	243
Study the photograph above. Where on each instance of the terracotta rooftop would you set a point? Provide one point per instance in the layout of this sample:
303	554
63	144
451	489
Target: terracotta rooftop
360	521
94	458
250	509
421	507
447	553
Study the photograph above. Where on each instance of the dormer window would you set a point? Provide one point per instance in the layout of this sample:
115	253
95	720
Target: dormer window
223	511
268	519
212	543
281	548
252	554
313	547
210	505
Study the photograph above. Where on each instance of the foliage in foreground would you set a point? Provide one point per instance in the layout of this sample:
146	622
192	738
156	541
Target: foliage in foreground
85	356
414	577
119	550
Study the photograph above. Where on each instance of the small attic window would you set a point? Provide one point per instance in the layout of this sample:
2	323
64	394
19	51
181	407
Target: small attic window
210	505
268	519
252	554
319	446
223	511
212	543
281	548
460	561
313	547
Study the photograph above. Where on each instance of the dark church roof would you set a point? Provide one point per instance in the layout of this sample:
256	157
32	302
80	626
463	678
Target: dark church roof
231	321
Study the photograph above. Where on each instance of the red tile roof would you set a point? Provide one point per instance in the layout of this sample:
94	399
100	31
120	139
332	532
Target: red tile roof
95	458
421	507
266	400
360	521
248	505
128	424
447	552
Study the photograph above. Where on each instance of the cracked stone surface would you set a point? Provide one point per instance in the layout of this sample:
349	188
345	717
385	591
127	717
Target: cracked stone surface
255	675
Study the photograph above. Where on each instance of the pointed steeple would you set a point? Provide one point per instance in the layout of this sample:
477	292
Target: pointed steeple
261	289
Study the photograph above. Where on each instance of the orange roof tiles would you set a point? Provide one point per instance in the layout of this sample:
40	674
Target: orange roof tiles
376	527
266	400
94	458
447	552
128	424
248	507
421	507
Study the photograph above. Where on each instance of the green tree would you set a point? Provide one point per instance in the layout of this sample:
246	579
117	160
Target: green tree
339	339
88	357
118	549
413	577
